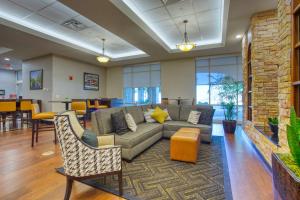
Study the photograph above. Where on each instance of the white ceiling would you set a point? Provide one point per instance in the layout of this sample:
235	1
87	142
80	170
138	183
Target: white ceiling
44	18
207	20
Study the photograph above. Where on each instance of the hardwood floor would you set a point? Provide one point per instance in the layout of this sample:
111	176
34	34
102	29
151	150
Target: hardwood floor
26	174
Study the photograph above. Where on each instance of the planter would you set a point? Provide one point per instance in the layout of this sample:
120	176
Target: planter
286	183
229	126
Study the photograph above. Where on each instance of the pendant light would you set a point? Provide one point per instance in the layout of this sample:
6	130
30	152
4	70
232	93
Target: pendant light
186	45
103	58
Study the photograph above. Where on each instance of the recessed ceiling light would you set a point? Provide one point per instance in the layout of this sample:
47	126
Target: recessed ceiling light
7	59
239	36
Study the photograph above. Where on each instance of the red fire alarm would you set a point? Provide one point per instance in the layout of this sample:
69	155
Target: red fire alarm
70	78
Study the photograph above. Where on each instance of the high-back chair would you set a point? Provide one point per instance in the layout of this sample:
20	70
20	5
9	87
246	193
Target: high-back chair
187	102
80	107
98	105
82	161
36	118
25	108
8	107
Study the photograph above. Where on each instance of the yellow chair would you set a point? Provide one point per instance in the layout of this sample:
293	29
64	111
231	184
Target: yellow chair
79	106
25	108
98	106
8	107
36	118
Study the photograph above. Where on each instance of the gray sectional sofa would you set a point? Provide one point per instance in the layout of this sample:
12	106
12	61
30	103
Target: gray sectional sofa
133	143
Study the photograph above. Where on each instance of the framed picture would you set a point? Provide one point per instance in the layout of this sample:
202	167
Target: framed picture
36	80
2	92
90	81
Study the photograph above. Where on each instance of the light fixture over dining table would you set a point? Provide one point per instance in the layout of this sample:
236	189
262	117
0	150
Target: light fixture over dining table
186	45
103	58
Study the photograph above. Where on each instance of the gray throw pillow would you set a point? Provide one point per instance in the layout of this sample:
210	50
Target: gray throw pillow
119	124
90	138
206	116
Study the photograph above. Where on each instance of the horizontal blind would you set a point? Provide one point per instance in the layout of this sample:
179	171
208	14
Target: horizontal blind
212	70
145	75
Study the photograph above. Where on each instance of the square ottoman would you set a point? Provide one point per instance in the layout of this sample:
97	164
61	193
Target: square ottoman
185	144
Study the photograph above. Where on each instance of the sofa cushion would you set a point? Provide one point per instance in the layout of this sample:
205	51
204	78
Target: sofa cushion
173	111
137	113
176	125
143	132
185	112
103	119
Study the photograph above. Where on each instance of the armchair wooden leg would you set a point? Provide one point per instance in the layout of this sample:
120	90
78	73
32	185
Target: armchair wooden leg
55	136
120	179
68	188
84	121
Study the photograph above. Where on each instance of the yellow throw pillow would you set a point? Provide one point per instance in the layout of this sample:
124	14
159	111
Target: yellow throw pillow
159	115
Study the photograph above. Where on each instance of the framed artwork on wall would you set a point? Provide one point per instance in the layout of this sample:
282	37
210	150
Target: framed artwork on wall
36	79
2	92
90	81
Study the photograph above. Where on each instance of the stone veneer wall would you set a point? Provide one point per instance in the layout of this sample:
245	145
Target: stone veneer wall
270	34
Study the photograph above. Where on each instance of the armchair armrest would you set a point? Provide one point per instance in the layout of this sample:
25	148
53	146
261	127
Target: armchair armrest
104	140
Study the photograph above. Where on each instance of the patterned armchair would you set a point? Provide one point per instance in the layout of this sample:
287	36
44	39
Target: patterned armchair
82	161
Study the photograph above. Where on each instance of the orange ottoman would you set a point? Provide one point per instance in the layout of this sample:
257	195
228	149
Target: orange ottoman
184	145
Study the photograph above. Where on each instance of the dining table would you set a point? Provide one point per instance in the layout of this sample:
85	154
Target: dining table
66	102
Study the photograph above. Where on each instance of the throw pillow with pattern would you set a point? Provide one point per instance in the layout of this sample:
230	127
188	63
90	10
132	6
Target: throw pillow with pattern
194	117
130	122
148	117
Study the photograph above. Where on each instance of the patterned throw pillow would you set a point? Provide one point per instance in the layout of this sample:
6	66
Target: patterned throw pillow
130	122
118	122
194	117
148	117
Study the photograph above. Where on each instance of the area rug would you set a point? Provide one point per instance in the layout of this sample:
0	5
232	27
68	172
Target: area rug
152	175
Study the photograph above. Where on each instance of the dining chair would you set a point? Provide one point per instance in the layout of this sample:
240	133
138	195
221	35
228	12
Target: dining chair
82	161
25	108
37	118
8	107
98	105
164	101
80	107
187	102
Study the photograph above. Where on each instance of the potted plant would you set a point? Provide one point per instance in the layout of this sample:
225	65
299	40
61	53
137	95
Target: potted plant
273	124
229	90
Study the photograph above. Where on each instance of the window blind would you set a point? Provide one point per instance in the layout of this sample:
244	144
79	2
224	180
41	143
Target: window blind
145	75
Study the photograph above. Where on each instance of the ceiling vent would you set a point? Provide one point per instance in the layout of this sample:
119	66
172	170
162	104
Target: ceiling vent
74	25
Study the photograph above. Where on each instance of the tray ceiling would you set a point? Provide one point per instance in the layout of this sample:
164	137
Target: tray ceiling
46	18
163	20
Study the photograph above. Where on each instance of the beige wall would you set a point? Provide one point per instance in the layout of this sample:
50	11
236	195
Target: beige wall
56	83
44	63
178	78
73	89
114	82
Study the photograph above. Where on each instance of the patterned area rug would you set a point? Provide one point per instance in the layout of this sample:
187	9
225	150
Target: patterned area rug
152	175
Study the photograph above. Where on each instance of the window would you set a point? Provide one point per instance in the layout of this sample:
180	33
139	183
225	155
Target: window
209	72
142	84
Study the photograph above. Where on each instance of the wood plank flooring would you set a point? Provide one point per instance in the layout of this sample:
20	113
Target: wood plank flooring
26	174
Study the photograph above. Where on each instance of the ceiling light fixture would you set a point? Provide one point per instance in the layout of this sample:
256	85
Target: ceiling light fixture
186	45
239	36
103	58
7	59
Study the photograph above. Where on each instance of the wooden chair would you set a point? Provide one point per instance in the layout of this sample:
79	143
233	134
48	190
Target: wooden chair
82	161
8	107
98	105
36	118
164	101
80	107
25	108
